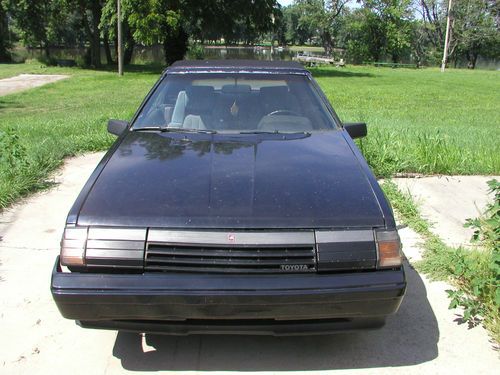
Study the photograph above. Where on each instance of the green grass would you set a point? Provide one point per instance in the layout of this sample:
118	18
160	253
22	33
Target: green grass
313	49
59	120
421	121
473	272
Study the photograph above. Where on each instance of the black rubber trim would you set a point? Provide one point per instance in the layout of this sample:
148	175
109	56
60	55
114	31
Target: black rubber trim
255	327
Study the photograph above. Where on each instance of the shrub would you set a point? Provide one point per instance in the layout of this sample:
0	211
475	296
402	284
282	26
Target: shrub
12	153
196	52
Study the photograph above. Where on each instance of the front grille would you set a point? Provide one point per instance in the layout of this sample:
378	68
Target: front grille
230	259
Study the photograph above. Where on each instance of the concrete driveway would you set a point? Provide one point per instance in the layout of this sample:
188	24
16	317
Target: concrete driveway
422	338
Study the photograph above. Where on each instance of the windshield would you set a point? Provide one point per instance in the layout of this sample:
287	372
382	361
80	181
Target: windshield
235	102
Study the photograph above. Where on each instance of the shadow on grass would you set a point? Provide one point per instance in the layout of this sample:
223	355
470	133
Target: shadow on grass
8	104
409	338
134	68
330	72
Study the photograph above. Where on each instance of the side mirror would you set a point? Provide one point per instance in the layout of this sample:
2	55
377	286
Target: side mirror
356	130
117	127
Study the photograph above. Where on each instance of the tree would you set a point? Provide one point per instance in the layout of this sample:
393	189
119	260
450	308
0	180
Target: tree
4	34
33	19
310	19
160	21
329	18
361	37
90	12
433	13
233	20
475	29
394	24
108	26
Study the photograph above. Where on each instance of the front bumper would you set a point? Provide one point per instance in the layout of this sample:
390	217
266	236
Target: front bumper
207	303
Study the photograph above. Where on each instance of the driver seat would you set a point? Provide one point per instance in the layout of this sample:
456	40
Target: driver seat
277	98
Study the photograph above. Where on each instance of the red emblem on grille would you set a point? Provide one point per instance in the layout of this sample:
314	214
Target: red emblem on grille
231	237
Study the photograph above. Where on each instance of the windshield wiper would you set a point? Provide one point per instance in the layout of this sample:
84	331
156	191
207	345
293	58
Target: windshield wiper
188	130
273	132
259	132
174	129
148	128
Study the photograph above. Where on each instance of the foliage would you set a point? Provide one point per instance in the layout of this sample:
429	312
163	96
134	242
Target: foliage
232	20
108	26
33	17
12	153
475	272
475	29
315	21
196	52
42	23
393	20
148	22
392	29
376	30
5	42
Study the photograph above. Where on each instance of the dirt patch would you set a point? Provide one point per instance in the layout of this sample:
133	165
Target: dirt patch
27	81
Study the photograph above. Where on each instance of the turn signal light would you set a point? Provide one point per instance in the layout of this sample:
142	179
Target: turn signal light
389	249
73	246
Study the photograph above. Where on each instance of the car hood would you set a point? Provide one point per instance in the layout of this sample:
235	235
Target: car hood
191	180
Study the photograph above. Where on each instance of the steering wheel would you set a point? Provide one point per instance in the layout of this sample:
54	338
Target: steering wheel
283	112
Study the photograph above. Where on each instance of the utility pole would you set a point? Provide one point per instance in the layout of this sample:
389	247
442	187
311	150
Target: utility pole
119	49
446	38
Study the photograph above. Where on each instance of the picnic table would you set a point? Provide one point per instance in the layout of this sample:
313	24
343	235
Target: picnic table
318	60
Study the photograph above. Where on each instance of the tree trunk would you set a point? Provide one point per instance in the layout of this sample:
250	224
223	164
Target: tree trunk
107	49
328	43
174	45
129	44
4	35
46	49
95	38
128	53
471	59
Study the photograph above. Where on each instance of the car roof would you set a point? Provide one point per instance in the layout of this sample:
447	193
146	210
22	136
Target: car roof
185	66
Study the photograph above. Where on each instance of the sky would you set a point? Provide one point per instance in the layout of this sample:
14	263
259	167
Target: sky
285	2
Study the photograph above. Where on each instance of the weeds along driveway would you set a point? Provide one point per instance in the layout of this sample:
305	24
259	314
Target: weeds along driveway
421	338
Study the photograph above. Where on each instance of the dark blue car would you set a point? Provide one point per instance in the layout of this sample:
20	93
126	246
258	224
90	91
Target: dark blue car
235	201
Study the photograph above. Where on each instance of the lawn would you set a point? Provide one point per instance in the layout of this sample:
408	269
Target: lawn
48	123
419	120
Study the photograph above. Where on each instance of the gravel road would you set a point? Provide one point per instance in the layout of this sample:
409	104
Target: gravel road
422	338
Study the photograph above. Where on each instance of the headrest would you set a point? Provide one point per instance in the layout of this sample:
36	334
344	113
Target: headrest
274	91
236	89
200	98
